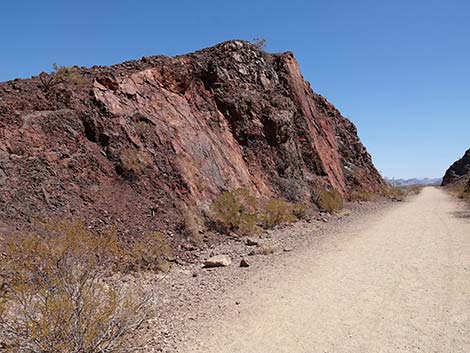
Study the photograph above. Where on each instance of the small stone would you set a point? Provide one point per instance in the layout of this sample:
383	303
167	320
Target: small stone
288	249
217	261
244	263
251	242
4	156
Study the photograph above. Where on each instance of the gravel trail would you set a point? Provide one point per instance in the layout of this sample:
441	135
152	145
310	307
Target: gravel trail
396	282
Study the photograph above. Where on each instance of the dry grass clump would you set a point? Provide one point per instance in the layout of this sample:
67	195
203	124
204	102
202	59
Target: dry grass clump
465	194
240	212
460	189
60	74
141	128
266	249
275	212
329	200
151	253
393	193
399	193
134	160
362	195
57	294
414	189
236	211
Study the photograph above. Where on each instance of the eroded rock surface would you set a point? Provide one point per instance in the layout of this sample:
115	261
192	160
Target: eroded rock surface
459	171
147	144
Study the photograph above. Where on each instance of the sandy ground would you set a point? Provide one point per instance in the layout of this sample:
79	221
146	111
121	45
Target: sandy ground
396	282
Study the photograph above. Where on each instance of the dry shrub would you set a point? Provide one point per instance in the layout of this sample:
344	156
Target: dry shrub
241	212
300	210
259	43
275	212
459	189
57	298
134	161
141	128
329	200
414	190
236	211
266	249
151	253
362	195
60	74
393	193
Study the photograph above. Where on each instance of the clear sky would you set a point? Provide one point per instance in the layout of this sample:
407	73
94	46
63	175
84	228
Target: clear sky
400	70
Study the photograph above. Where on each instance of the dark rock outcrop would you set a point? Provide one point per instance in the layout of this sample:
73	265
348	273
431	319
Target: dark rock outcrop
145	144
459	171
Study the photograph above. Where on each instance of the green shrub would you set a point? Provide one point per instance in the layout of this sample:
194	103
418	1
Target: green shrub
236	211
59	74
329	200
300	210
275	212
58	295
240	212
362	195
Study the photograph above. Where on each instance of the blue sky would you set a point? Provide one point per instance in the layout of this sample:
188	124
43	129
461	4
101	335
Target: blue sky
398	69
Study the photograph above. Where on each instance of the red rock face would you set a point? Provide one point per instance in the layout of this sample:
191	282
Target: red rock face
195	125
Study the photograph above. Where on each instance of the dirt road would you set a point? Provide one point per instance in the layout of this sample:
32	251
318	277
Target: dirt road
399	282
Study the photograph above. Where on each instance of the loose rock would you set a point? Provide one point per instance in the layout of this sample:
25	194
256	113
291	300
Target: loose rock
252	242
218	261
244	263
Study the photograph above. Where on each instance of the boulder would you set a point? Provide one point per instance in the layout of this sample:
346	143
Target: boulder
217	261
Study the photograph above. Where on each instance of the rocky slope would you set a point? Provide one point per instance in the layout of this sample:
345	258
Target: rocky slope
146	145
459	171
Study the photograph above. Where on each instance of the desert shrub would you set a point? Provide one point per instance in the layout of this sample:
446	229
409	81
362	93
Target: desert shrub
57	297
275	212
59	74
300	210
189	224
236	211
414	190
240	212
134	160
141	128
151	253
259	43
461	190
393	193
329	200
362	195
266	249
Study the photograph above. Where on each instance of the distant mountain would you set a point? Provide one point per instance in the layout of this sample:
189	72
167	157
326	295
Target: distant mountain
414	181
459	171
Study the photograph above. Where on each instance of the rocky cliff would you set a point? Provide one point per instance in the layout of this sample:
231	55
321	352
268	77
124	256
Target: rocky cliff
145	144
459	171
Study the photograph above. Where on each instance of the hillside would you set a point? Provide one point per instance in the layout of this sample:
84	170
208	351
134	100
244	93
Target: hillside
147	145
459	171
414	181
